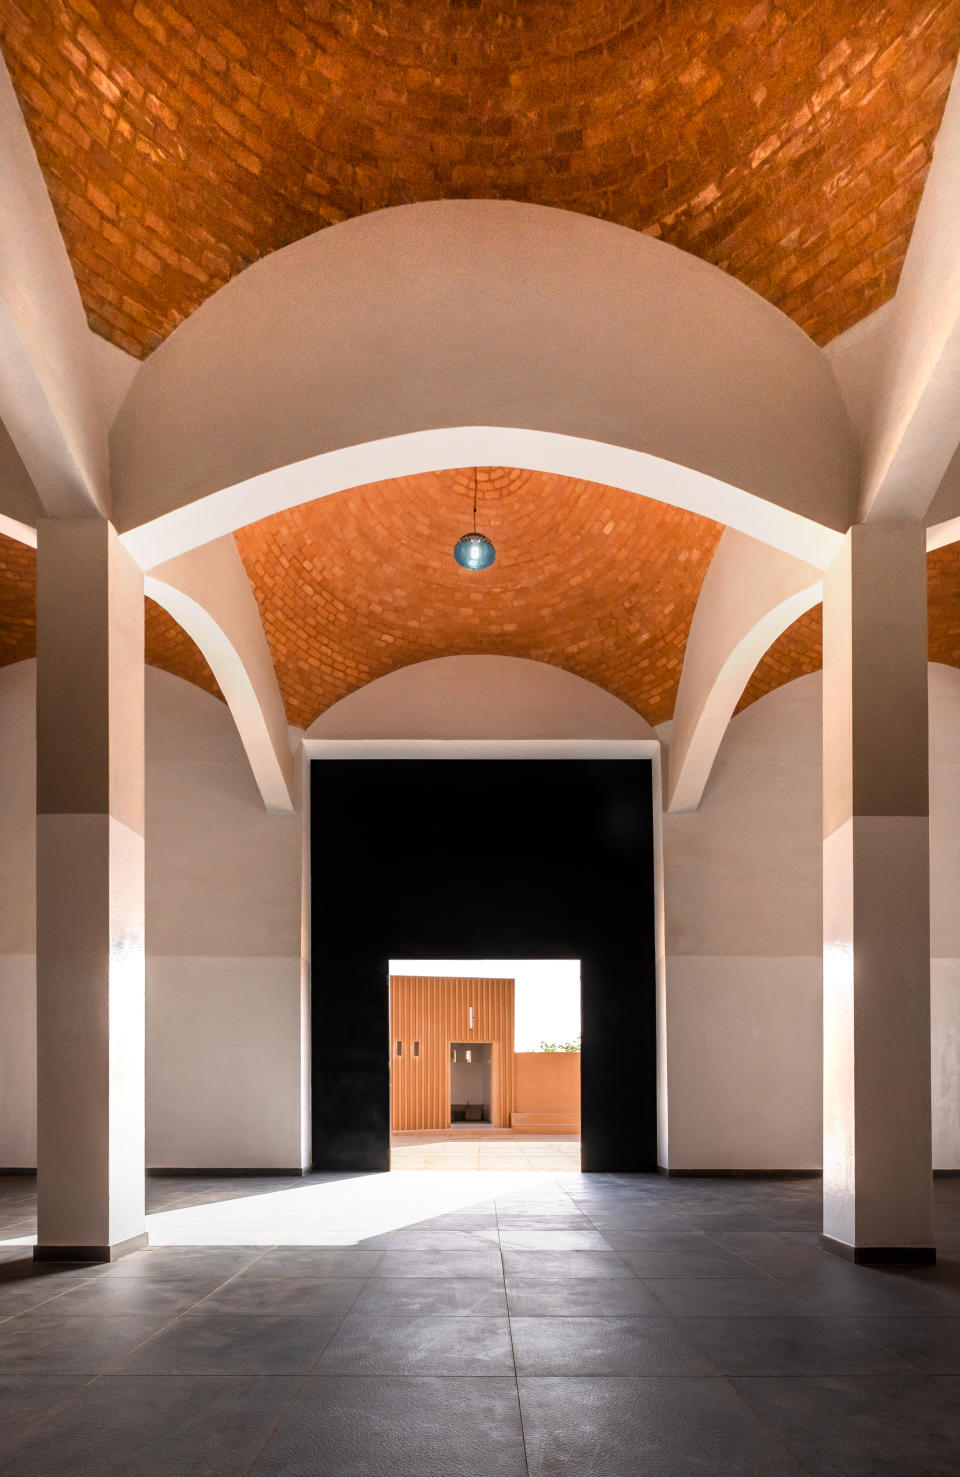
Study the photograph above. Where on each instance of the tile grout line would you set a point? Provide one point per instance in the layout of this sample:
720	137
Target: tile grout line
513	1351
309	1374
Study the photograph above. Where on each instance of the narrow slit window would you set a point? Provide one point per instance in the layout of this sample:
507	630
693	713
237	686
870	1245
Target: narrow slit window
416	1048
399	1048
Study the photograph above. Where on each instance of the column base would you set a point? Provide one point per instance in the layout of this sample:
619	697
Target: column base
881	1256
90	1253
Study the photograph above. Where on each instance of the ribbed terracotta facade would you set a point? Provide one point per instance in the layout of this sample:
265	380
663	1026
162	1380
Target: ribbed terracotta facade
436	1012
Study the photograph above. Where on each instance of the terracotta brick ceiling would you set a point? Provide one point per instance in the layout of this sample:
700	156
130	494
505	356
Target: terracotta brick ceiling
600	582
786	141
800	649
167	645
594	580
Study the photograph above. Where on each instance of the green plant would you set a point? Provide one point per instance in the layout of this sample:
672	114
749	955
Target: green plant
562	1046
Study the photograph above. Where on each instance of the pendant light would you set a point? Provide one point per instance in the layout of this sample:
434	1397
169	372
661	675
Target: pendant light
474	550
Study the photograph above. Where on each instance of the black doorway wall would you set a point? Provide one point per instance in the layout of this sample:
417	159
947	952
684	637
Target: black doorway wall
486	859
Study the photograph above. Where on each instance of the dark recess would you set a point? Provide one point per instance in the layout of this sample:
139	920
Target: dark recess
534	859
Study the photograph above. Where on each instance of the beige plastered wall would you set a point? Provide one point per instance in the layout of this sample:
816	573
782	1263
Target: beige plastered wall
225	1050
743	928
227	1025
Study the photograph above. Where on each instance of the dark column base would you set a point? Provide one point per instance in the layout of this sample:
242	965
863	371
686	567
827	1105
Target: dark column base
881	1256
740	1174
220	1173
90	1253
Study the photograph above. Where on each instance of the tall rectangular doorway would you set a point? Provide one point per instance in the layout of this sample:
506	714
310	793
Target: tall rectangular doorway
421	858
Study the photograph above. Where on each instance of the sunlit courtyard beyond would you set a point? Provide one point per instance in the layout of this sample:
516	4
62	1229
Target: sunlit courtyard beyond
463	1148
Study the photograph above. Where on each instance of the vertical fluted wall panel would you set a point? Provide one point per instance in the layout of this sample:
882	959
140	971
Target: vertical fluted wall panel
436	1012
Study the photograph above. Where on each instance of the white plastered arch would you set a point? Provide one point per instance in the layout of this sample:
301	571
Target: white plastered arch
462	331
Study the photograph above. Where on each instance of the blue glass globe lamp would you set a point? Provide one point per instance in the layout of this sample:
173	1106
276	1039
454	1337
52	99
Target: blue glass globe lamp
474	550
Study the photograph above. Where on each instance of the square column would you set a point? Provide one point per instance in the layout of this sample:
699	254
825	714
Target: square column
877	1158
90	893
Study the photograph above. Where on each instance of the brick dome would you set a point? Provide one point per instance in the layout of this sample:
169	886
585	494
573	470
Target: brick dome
594	580
599	582
785	142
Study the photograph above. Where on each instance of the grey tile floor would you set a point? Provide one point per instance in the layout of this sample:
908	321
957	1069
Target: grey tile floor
485	1326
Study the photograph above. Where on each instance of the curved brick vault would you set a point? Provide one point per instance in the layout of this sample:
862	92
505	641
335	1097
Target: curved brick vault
600	582
589	578
167	645
800	649
785	141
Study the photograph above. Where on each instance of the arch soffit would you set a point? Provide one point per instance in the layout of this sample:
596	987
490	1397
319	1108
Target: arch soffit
429	336
480	697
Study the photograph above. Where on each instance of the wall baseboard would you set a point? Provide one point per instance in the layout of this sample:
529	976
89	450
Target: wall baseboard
221	1173
740	1174
111	1253
881	1256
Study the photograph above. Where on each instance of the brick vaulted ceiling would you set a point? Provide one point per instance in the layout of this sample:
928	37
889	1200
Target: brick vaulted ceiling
784	140
589	578
167	645
800	649
600	582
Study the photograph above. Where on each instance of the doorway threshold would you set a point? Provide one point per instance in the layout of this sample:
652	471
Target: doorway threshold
473	1147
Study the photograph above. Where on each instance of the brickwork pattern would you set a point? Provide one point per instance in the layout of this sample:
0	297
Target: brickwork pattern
594	580
181	140
18	602
358	584
800	649
796	652
167	645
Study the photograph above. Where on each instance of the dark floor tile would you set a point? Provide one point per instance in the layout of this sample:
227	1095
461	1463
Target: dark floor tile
752	1243
807	1346
23	1397
481	1262
714	1262
11	1254
564	1264
427	1239
212	1343
179	1262
293	1297
26	1293
730	1297
833	1285
581	1297
407	1427
125	1426
617	1345
731	1220
623	1239
640	1219
888	1426
316	1261
466	1220
610	1427
512	1239
164	1297
51	1343
442	1297
932	1345
535	1221
419	1345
